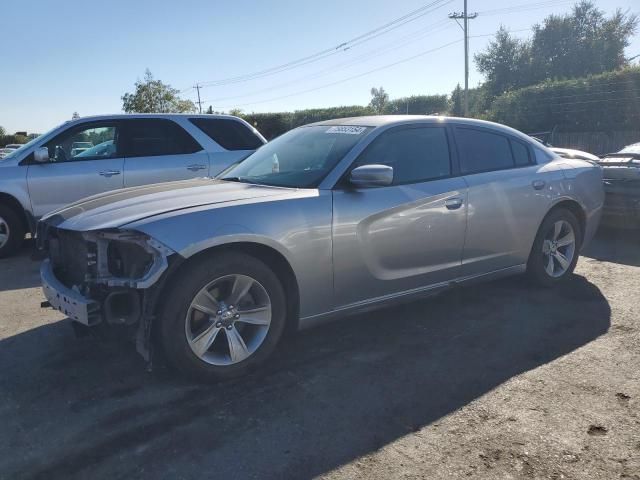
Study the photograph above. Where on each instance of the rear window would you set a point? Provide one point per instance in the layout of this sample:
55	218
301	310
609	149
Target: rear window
483	151
520	153
154	137
229	134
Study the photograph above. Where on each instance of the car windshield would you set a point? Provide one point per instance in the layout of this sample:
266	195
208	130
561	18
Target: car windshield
300	158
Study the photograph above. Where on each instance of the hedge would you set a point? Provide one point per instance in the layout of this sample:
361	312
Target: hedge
604	102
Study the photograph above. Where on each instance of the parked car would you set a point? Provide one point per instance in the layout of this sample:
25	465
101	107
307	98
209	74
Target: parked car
79	147
621	172
329	219
56	169
14	146
5	151
572	153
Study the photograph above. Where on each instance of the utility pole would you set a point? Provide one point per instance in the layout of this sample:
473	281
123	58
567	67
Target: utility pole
466	17
197	87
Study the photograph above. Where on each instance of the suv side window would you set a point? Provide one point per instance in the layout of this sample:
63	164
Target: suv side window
229	134
417	154
84	142
482	150
156	136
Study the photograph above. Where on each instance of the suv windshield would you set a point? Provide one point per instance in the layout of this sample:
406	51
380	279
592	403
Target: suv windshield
300	158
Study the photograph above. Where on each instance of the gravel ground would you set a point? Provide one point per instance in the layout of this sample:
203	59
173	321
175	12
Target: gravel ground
499	380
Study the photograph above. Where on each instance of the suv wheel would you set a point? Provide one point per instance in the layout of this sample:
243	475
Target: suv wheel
11	231
555	251
225	316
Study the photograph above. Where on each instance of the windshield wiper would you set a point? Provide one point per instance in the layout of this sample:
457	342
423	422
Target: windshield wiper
233	179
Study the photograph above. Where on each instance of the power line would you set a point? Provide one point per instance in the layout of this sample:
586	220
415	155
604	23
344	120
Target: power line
524	7
340	66
404	60
367	36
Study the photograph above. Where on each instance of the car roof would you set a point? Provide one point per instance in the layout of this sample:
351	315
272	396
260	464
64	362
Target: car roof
118	116
378	121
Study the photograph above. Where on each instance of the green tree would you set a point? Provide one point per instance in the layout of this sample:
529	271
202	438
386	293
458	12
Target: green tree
456	102
379	100
581	43
153	96
505	63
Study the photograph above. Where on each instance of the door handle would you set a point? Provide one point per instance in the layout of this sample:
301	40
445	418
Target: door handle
538	184
453	203
196	166
109	173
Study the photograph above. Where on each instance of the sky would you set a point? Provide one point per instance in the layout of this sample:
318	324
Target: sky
62	57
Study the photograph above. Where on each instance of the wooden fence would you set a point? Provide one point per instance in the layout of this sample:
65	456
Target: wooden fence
597	143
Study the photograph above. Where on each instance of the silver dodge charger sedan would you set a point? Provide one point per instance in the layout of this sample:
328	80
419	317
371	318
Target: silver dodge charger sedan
329	219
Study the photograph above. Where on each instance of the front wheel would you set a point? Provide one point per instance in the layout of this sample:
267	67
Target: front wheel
224	316
11	231
555	250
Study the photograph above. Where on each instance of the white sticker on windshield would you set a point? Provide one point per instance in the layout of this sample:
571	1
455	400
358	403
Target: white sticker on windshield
346	130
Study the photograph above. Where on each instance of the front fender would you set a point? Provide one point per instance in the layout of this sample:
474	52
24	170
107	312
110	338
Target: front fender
299	229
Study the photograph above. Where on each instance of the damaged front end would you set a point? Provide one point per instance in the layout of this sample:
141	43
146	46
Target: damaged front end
109	277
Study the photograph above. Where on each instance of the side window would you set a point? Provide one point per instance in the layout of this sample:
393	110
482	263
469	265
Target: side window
416	154
520	153
156	136
229	134
481	150
84	143
542	156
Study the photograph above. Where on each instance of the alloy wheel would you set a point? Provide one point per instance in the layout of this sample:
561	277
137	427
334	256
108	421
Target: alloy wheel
558	248
228	320
4	232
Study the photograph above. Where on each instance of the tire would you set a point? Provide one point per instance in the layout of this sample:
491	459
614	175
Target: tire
186	331
562	255
11	231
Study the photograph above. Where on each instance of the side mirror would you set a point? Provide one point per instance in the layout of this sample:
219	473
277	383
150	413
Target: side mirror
371	176
41	155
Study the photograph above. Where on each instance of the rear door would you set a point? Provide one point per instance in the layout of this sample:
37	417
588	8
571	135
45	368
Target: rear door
159	150
405	236
71	174
508	197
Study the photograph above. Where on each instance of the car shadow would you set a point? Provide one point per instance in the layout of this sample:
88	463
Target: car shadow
615	245
81	408
19	271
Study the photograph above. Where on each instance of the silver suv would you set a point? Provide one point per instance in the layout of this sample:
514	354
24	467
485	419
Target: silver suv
93	155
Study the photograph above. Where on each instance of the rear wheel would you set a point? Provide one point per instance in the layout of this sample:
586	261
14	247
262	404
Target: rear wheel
555	251
225	317
11	231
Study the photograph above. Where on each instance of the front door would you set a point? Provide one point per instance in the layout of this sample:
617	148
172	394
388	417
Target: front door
405	236
159	150
84	160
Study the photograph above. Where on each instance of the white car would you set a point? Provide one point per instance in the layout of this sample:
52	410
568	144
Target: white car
5	151
572	153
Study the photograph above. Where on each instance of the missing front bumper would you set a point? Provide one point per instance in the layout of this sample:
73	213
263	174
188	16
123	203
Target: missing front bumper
68	301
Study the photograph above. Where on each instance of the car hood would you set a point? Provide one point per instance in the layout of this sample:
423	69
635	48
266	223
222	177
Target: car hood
120	207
